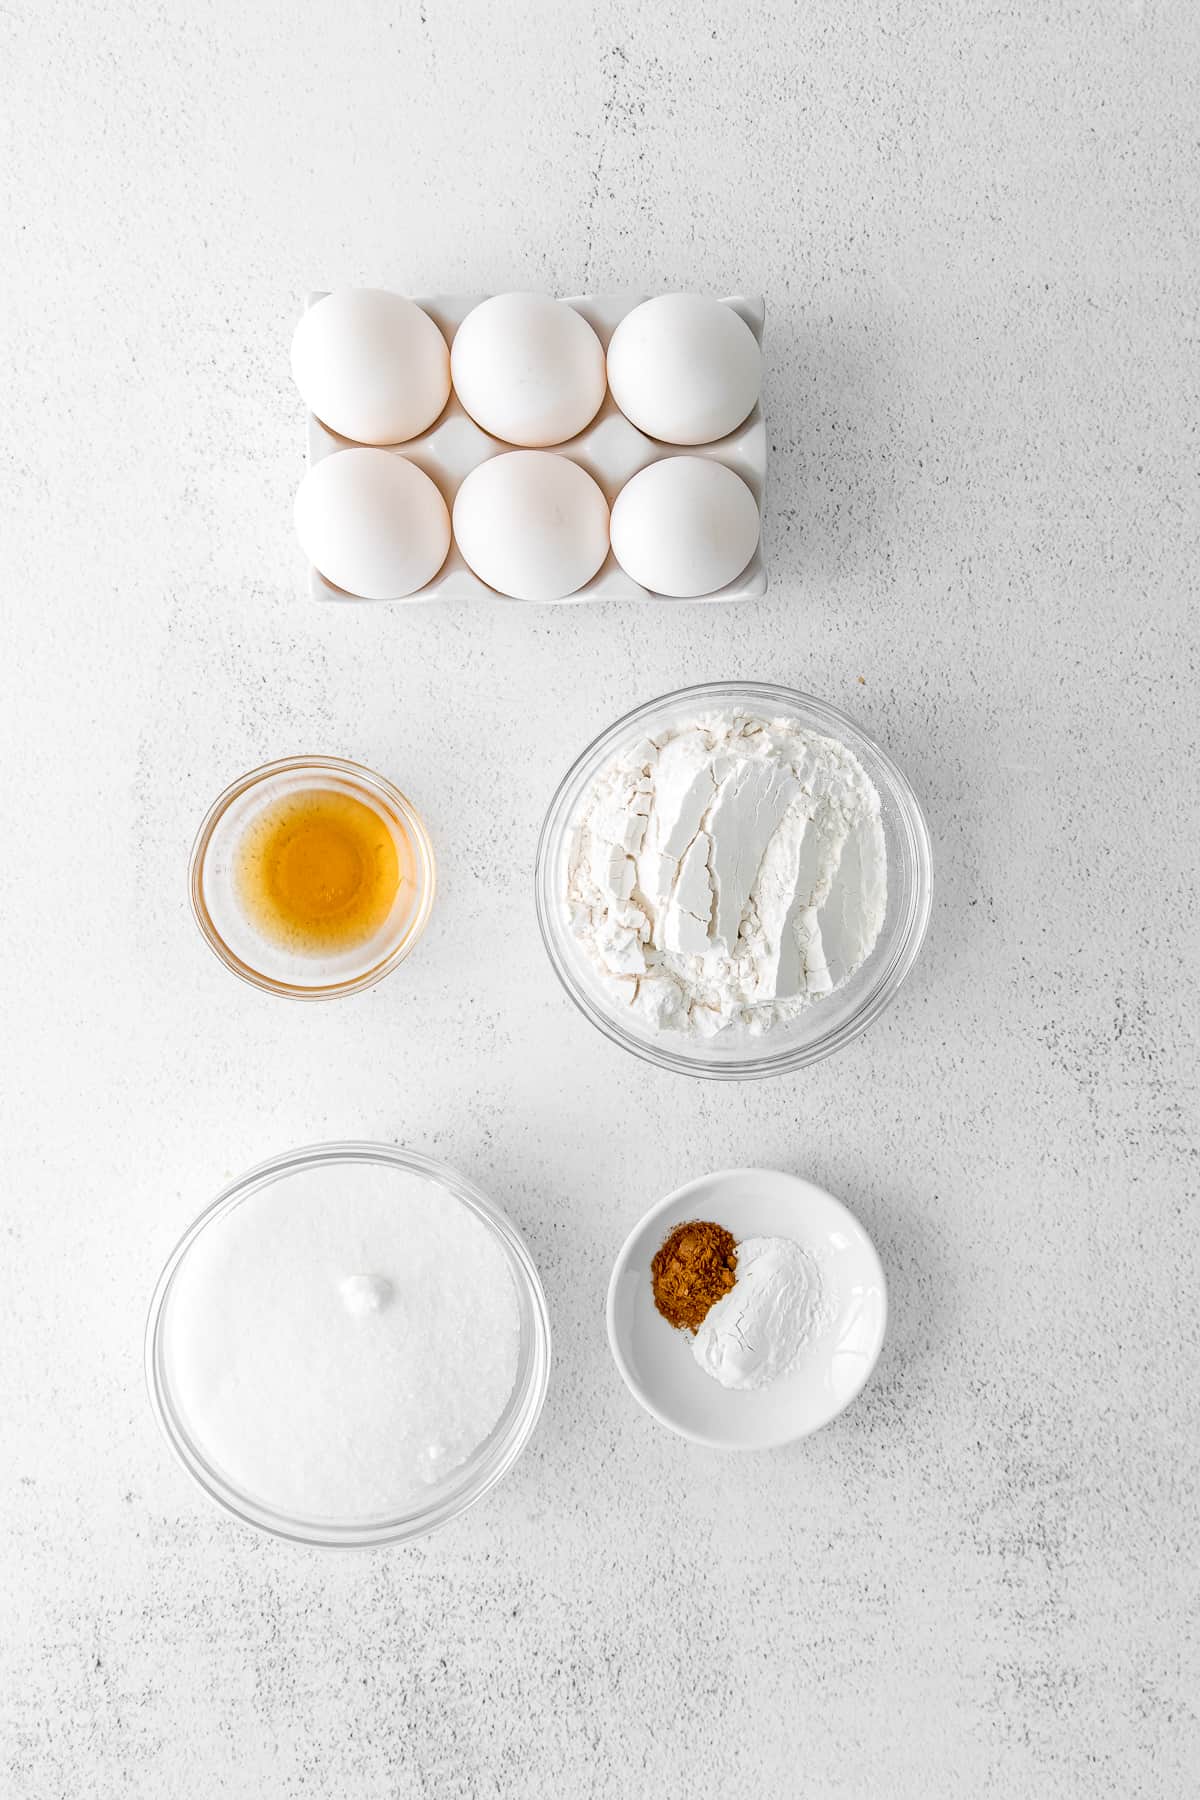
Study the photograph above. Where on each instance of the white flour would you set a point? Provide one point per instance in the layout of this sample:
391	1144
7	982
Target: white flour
733	871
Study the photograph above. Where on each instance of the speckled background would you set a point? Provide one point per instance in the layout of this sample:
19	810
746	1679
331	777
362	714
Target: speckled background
976	228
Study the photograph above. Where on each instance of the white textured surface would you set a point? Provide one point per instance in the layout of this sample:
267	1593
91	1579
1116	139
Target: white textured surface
975	228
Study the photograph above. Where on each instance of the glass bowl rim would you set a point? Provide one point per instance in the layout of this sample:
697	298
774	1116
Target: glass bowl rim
405	1526
319	765
910	930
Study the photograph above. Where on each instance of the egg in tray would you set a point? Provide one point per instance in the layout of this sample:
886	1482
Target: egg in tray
527	448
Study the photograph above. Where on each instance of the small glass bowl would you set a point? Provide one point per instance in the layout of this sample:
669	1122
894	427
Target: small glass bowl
223	921
463	1486
825	1026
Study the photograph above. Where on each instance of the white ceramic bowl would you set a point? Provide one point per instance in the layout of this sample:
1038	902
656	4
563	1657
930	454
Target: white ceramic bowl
656	1360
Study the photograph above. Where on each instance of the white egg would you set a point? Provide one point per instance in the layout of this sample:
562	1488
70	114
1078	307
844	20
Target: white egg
684	368
684	526
371	365
528	369
372	523
531	524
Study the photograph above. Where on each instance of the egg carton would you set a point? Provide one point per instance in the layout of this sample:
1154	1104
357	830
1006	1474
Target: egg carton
611	449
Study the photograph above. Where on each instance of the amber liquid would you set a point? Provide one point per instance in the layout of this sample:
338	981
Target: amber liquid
319	871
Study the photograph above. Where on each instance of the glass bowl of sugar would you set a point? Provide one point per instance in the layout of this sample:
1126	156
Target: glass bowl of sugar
350	1346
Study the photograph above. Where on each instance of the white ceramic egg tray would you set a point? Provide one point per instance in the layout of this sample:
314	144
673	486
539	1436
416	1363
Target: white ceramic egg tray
611	450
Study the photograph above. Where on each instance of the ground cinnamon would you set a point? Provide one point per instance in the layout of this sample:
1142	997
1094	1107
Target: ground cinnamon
692	1269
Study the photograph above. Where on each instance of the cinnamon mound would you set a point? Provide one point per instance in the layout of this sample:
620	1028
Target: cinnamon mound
693	1268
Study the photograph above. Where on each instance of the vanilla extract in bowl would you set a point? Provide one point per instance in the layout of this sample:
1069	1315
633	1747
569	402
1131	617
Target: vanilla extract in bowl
320	870
312	877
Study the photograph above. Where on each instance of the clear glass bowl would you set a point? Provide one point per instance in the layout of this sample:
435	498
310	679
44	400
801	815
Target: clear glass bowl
462	1486
221	916
823	1027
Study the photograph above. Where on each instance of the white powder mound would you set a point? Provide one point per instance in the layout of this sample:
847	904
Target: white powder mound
730	872
342	1340
757	1330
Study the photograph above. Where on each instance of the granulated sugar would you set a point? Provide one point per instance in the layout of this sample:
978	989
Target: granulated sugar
342	1340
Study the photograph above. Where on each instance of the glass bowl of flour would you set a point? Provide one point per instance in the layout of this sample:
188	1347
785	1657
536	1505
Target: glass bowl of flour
350	1346
733	880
